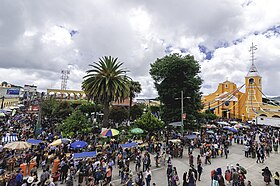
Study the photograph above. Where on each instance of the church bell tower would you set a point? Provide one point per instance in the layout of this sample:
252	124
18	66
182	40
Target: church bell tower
253	88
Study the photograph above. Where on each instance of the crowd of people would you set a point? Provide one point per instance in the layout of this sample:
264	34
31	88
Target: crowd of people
50	165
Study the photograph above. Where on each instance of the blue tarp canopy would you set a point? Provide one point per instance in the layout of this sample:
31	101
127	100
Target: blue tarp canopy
129	145
85	154
191	136
78	144
34	141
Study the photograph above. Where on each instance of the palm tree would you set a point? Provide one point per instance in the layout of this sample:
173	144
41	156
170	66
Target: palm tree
134	87
106	82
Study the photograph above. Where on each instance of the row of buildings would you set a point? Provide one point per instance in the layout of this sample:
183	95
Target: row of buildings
12	95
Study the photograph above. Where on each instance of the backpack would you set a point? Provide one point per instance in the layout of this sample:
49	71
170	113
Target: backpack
243	170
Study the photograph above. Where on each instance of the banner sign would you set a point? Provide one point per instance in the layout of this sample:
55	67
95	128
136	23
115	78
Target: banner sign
12	91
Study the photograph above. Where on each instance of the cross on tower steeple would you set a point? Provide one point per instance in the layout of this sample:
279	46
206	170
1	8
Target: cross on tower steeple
253	70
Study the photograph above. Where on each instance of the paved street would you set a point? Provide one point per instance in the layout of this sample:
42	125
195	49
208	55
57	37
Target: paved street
236	156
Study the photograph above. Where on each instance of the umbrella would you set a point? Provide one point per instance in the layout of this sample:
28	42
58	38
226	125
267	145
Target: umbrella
2	114
60	141
237	126
78	144
226	127
233	130
137	131
34	141
223	123
110	132
18	145
191	136
210	131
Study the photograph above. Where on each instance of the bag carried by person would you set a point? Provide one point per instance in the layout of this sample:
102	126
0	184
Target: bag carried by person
243	170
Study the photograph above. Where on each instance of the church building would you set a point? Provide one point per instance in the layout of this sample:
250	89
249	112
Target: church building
229	102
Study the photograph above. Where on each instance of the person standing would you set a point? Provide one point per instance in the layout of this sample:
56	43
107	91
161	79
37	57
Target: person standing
276	178
191	159
148	176
266	175
19	178
169	174
226	151
199	170
64	171
185	179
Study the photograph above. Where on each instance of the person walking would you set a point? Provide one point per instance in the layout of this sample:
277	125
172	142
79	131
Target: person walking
266	175
199	170
148	176
276	178
185	179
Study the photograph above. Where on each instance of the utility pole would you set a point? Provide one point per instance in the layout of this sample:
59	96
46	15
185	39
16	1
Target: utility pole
182	110
2	103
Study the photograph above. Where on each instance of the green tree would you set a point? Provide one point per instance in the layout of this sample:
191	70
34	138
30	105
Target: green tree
106	82
87	108
135	112
62	110
48	107
118	114
52	108
134	87
76	122
149	122
172	74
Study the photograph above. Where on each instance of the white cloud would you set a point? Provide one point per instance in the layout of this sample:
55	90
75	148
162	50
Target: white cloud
37	42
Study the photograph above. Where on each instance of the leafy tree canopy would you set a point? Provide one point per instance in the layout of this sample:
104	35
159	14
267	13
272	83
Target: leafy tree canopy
149	122
87	108
76	122
172	74
136	111
118	114
106	81
52	108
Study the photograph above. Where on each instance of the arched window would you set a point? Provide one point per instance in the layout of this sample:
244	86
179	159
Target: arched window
251	81
260	81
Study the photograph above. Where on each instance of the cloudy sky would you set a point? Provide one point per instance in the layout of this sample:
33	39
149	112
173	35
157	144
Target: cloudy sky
40	38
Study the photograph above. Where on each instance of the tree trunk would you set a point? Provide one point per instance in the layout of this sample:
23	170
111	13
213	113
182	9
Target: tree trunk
106	115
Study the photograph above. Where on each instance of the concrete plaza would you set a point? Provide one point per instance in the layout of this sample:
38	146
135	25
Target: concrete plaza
236	155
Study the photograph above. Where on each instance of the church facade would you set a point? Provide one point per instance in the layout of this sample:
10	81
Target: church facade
229	102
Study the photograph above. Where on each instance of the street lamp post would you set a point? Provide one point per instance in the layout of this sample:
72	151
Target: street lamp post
182	110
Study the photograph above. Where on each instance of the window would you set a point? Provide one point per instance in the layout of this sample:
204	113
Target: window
251	81
226	85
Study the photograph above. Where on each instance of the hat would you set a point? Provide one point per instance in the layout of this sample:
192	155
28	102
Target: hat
47	182
30	179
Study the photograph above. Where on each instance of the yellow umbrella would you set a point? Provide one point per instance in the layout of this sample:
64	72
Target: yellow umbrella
60	141
18	145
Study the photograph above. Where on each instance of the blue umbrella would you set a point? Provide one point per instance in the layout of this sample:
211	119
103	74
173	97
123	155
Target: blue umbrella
34	141
226	127
78	144
233	130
